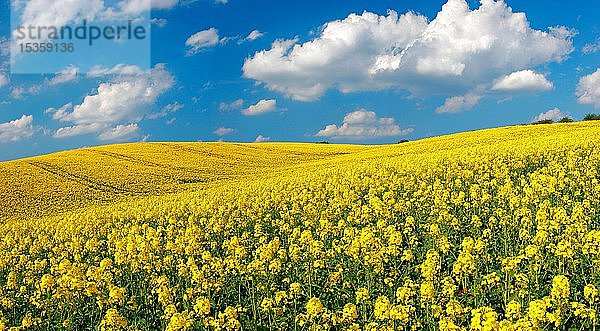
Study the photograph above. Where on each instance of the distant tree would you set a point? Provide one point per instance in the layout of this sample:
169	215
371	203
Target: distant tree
403	141
565	120
591	117
543	122
322	142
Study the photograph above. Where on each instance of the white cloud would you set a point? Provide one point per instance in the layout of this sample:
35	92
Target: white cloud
58	13
44	13
261	139
120	133
4	80
591	47
60	112
118	70
262	107
222	1
201	40
364	124
4	47
18	92
160	22
457	51
588	89
524	80
553	114
234	105
127	9
122	101
18	129
255	34
223	131
67	75
141	6
76	130
166	110
459	103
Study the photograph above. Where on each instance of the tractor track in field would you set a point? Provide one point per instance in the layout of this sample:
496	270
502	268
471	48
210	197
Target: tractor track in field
89	182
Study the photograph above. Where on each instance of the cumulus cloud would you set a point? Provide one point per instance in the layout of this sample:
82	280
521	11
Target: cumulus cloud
66	75
57	13
262	107
223	131
134	7
588	89
45	13
201	40
234	105
118	70
261	139
120	133
124	101
457	51
524	80
364	124
62	13
18	129
553	114
459	103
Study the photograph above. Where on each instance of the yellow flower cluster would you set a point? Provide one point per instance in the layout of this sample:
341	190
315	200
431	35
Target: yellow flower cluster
489	230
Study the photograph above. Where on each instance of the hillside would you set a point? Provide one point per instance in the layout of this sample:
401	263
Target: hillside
50	184
495	229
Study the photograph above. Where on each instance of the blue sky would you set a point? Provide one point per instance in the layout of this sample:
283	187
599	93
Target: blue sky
341	71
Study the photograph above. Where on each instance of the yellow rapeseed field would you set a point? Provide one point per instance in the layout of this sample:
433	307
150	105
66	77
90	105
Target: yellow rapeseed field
488	230
48	185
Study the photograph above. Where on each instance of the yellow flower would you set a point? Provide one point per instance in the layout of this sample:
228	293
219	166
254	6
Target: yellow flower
280	296
350	312
560	288
401	313
27	321
295	288
513	310
431	265
454	309
449	287
590	292
267	304
202	306
47	282
537	311
447	324
362	295
427	291
382	308
314	307
116	295
180	321
490	279
403	294
484	319
113	320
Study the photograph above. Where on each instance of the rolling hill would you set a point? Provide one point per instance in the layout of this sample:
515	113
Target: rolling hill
496	229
